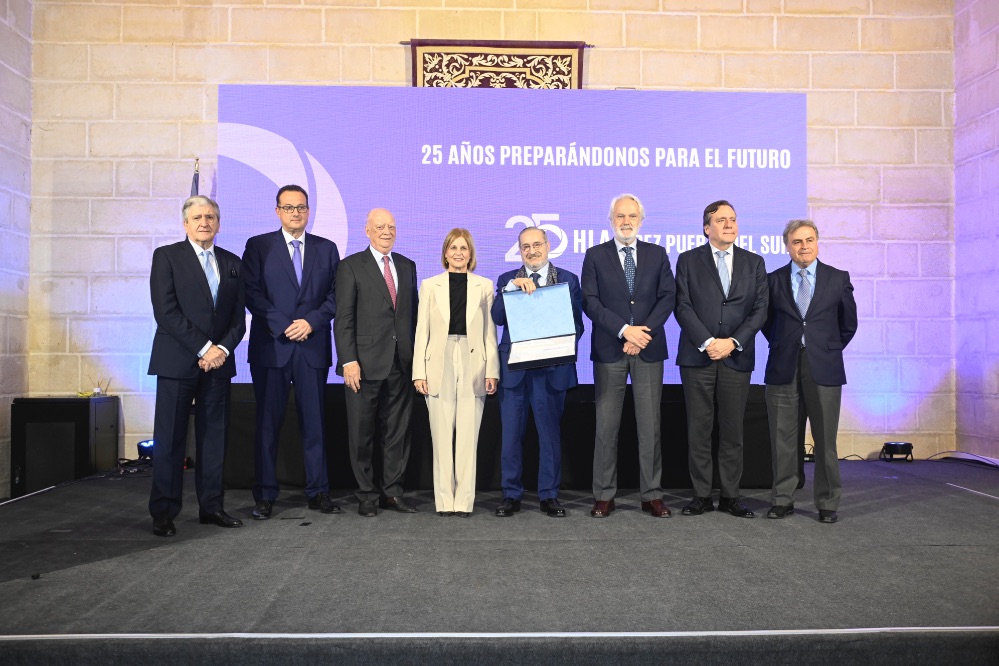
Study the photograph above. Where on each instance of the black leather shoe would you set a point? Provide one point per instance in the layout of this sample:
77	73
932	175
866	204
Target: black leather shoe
163	527
780	511
368	508
697	506
322	502
220	518
552	508
262	511
396	504
463	514
827	516
445	514
735	507
507	507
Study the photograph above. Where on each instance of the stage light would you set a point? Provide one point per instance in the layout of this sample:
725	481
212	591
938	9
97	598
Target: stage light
145	449
892	449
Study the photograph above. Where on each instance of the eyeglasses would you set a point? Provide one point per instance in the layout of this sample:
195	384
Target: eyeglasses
301	208
533	246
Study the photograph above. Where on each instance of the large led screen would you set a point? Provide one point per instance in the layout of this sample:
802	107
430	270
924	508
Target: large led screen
496	161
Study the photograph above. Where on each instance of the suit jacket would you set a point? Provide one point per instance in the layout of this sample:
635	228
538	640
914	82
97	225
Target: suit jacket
275	299
432	324
703	311
831	323
186	318
609	306
562	376
367	329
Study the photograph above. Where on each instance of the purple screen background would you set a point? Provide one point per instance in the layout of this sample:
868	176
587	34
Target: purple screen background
356	148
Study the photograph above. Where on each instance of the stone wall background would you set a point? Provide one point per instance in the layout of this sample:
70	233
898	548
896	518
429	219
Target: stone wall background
123	96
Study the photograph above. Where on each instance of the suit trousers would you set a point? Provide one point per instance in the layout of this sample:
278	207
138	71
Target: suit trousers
455	416
787	407
610	380
703	387
210	392
271	387
380	411
533	393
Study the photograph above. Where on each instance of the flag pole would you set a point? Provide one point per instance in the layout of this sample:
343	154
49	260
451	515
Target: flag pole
194	179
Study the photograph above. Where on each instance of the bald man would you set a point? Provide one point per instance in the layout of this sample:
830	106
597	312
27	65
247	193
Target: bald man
376	320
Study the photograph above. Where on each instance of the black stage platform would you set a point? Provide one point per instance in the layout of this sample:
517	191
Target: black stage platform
578	426
908	576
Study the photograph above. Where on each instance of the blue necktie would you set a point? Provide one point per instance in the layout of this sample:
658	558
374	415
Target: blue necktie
536	277
296	260
213	280
629	274
803	298
723	272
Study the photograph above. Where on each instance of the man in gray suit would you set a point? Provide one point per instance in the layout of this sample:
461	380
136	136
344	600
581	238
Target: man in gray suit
374	329
811	318
721	303
628	294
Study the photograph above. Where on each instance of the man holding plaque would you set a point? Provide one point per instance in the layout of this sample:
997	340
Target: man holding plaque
628	294
541	389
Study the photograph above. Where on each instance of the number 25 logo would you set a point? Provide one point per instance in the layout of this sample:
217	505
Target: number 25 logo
556	236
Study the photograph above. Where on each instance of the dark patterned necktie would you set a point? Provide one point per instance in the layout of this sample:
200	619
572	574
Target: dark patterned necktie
629	274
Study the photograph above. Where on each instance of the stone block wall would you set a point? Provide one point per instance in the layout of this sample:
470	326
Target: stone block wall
126	96
15	216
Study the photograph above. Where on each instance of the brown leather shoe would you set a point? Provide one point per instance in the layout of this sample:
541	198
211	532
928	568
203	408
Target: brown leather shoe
602	509
657	508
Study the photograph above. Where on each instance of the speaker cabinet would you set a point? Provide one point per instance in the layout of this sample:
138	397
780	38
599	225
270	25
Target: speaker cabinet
54	440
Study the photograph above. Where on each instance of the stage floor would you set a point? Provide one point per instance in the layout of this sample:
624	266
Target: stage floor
917	545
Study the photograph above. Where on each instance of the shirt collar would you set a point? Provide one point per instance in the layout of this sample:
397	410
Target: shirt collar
198	249
715	250
543	271
810	268
288	238
378	255
620	246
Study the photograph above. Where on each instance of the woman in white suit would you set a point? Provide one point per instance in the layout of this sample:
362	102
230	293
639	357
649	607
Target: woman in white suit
455	365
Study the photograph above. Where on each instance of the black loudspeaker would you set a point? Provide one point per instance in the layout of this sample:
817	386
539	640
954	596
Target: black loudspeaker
54	440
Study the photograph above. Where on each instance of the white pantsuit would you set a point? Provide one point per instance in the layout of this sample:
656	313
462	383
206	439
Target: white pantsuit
455	369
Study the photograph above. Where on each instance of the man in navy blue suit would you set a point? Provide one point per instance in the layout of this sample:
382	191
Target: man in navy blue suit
811	318
539	389
196	289
628	294
721	303
290	282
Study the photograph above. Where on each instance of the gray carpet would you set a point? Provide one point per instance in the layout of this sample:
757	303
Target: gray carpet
911	550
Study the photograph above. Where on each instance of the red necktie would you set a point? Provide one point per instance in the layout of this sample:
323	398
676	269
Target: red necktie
389	282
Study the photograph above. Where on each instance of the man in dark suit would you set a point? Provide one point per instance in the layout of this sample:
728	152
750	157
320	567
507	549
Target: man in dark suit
628	294
810	320
374	330
539	389
290	281
721	303
197	294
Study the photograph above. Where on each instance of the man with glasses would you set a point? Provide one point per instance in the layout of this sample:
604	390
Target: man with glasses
628	294
539	389
290	283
